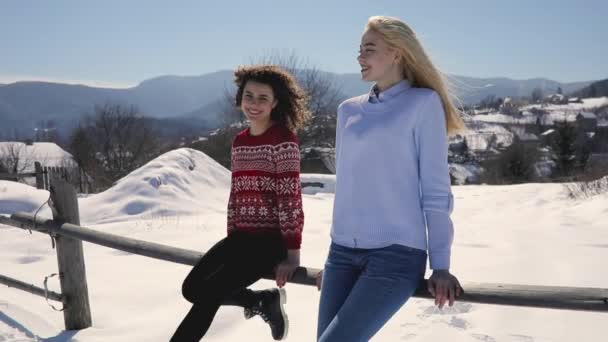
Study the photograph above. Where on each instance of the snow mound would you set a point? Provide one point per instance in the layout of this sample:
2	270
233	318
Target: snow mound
179	182
16	197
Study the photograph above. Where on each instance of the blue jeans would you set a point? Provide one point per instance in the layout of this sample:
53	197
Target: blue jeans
363	288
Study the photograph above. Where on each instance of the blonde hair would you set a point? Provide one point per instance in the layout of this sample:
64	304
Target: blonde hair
418	68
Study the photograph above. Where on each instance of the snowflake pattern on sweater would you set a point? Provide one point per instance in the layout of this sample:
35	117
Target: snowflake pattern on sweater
265	193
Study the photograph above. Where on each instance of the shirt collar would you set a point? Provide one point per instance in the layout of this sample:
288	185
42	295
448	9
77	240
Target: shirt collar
376	96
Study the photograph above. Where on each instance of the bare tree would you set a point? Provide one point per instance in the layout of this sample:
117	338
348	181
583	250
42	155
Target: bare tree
15	158
228	109
537	95
323	91
321	87
112	142
490	101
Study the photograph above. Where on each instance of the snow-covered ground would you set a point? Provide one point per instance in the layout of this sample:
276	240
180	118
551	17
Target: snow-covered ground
523	234
504	119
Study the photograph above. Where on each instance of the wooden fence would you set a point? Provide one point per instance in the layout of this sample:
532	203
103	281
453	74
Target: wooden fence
43	174
65	228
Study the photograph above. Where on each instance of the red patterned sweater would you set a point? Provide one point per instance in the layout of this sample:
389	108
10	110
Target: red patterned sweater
265	194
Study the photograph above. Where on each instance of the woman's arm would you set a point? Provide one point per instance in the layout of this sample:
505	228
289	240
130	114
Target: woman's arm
437	199
289	203
289	193
436	194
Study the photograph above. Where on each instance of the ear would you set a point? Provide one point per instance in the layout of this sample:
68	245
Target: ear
397	56
275	102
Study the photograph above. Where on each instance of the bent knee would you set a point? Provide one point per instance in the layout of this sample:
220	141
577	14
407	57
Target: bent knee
188	291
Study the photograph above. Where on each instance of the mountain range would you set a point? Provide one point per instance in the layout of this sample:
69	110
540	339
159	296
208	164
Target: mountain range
24	104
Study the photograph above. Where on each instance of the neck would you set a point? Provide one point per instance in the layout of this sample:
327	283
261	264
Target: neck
393	77
258	128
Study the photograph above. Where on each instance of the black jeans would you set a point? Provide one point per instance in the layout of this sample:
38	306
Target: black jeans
222	275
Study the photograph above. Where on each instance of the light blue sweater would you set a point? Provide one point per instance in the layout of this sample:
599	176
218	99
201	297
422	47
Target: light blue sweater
392	178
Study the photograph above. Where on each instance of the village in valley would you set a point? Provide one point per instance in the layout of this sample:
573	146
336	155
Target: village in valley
526	139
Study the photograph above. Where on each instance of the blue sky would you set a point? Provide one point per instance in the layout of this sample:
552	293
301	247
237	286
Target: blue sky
120	43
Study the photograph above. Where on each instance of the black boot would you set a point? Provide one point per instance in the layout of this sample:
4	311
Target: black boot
270	308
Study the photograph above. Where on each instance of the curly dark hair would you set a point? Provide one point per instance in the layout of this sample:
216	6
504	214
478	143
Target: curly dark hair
291	109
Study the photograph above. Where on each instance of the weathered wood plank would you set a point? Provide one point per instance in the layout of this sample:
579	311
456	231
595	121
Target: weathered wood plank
70	258
39	176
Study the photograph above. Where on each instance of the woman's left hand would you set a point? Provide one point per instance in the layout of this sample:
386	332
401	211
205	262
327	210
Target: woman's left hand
287	267
445	287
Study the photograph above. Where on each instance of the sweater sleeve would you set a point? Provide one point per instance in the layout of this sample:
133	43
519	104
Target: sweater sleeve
289	192
231	212
435	190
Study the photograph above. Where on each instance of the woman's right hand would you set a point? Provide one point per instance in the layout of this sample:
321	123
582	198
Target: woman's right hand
319	279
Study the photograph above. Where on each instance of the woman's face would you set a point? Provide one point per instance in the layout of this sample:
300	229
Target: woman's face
258	101
377	60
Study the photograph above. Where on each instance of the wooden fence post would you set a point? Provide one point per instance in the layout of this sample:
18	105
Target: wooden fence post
39	178
45	178
70	258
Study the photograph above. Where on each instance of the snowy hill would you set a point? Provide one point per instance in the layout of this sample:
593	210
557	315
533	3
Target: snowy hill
524	234
177	183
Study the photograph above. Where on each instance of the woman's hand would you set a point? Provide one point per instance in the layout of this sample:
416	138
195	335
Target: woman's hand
287	267
444	287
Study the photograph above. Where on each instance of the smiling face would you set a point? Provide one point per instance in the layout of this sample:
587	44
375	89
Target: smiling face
258	102
377	59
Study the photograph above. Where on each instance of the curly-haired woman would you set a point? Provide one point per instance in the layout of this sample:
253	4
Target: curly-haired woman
265	217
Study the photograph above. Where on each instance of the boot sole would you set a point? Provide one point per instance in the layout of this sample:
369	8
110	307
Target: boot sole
282	301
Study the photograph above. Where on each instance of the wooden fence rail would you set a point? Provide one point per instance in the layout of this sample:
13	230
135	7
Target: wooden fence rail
10	282
64	226
571	298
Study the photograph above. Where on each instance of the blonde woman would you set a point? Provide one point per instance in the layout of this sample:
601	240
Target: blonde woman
393	198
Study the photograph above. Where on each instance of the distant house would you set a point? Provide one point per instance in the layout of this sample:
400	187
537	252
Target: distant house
538	111
575	100
523	113
21	157
556	99
587	121
508	107
482	111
